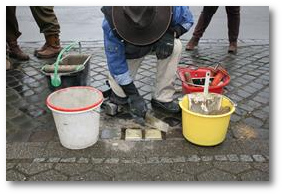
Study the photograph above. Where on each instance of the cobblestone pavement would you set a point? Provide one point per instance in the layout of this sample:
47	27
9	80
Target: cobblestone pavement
34	152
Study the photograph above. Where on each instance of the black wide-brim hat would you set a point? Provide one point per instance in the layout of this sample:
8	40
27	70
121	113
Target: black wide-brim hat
142	36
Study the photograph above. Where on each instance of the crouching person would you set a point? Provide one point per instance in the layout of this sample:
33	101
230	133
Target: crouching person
131	33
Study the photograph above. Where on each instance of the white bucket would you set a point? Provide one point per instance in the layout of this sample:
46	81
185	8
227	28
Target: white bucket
76	112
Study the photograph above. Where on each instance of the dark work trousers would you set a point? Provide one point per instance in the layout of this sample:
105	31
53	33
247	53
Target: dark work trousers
44	16
233	15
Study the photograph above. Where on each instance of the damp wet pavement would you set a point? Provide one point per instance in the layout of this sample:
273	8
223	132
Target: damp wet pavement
34	152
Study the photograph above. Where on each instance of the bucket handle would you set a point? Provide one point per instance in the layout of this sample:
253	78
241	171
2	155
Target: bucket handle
55	78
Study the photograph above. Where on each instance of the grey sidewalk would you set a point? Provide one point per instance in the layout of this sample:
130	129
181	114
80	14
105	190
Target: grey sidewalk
35	153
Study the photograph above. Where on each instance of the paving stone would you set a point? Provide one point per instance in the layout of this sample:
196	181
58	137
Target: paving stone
259	158
248	77
264	167
235	118
126	161
133	134
193	158
97	160
133	175
20	119
27	93
235	98
206	158
33	168
266	109
261	99
179	159
10	165
11	112
255	175
22	150
254	122
35	112
220	157
216	175
166	160
246	158
232	157
72	169
233	167
42	136
249	89
37	160
253	104
243	93
152	134
245	107
111	161
153	160
244	131
264	94
241	80
256	85
91	176
53	160
167	176
48	176
68	160
83	160
261	114
254	146
253	73
138	160
12	175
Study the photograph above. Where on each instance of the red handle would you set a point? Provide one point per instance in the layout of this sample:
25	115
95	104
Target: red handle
218	77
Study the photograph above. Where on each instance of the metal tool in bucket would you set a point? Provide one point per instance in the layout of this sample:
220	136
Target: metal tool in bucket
205	102
71	70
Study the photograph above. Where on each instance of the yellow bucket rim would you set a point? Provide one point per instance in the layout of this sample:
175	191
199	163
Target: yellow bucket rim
210	116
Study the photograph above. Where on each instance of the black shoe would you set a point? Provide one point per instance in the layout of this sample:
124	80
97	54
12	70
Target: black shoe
171	107
117	100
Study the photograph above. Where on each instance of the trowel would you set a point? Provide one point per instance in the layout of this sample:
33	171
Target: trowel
205	102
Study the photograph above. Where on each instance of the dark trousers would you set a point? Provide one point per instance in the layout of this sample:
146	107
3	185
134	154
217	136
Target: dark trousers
233	16
44	16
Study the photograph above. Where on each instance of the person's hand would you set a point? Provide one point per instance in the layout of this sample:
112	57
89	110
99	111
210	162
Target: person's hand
136	102
165	46
177	30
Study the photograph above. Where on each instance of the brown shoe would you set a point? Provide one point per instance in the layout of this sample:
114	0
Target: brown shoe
40	49
16	52
192	43
232	47
51	48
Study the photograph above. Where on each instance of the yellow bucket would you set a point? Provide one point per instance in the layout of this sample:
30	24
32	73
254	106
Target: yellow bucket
205	130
